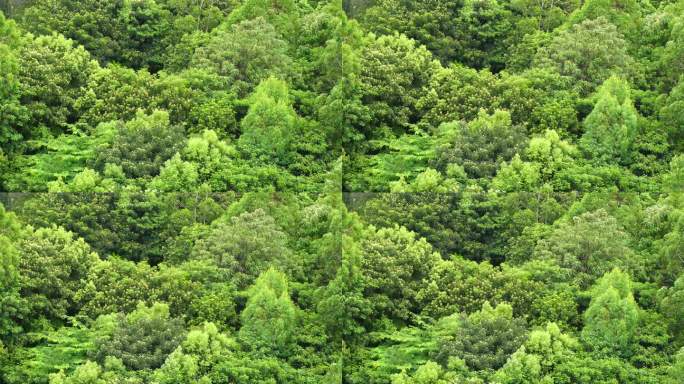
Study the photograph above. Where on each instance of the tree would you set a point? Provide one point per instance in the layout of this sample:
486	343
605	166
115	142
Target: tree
11	111
343	307
269	318
672	113
612	317
98	27
588	52
395	74
431	24
589	245
626	15
428	373
247	53
114	93
204	161
268	127
671	59
53	74
59	159
197	356
10	300
396	266
142	145
53	268
672	306
482	144
483	33
611	127
246	246
485	339
536	359
545	159
114	286
143	338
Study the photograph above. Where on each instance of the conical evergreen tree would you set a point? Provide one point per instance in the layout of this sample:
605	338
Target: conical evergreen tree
611	320
268	320
611	127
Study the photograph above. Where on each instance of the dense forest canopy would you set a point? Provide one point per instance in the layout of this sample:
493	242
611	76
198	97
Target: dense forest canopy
357	192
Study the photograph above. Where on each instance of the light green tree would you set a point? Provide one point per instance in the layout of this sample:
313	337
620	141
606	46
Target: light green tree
611	127
611	320
269	320
343	307
536	360
54	266
268	127
53	73
672	114
396	266
195	359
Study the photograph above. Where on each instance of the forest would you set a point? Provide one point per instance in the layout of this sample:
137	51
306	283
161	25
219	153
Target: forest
342	192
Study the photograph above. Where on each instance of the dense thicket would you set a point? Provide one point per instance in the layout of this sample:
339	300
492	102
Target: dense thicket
376	192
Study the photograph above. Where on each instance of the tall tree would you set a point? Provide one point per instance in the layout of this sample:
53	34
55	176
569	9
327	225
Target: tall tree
269	318
611	320
611	127
268	127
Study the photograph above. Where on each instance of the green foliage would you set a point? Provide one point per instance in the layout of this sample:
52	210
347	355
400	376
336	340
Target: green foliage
394	75
589	245
142	145
52	351
245	246
482	34
268	127
673	307
53	267
673	52
11	110
60	158
195	359
114	285
334	191
612	317
588	52
624	14
114	93
53	74
395	266
343	307
457	93
143	338
482	144
269	318
246	53
536	359
430	24
672	114
484	339
10	301
611	127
